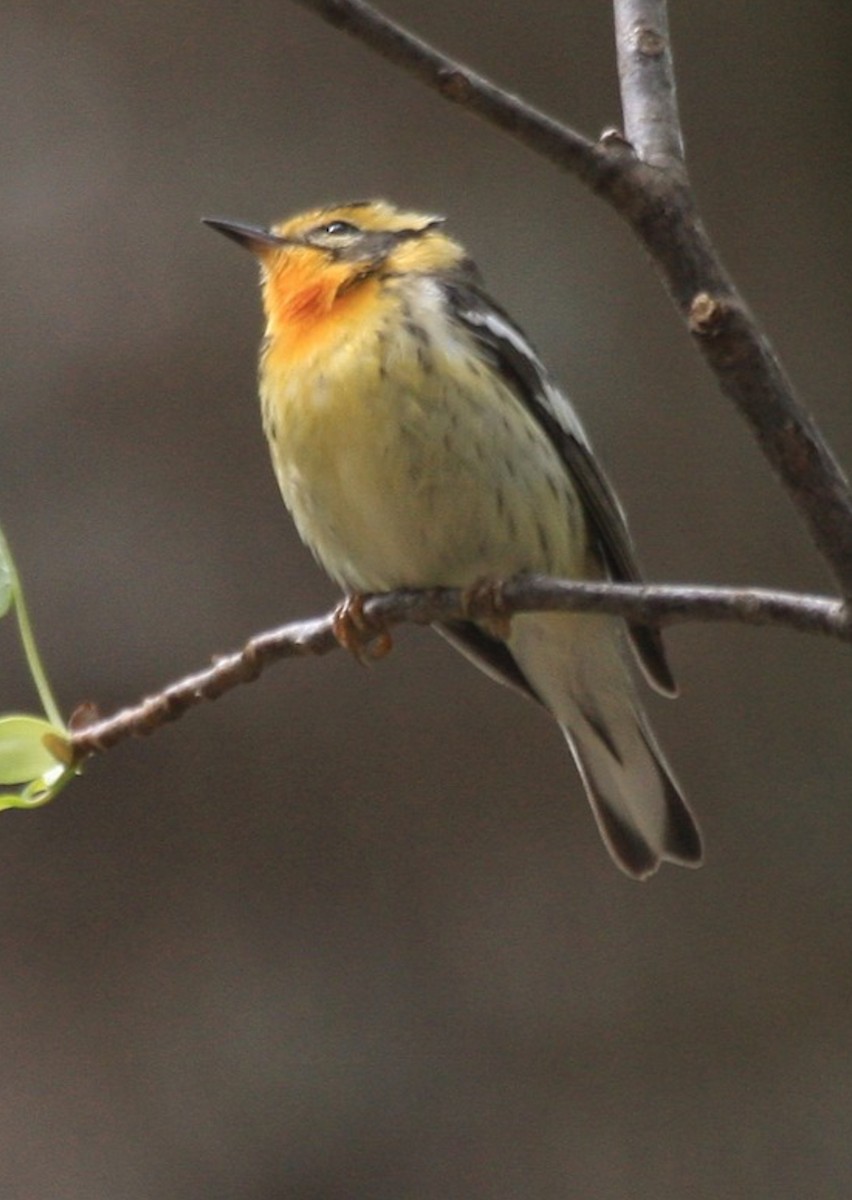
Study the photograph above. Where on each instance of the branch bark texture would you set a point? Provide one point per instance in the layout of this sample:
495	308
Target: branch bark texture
649	604
646	76
646	184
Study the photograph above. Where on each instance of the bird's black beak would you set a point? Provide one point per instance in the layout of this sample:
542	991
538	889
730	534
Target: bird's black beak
251	237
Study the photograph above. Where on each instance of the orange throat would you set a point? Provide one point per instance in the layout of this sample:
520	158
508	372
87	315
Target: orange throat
310	302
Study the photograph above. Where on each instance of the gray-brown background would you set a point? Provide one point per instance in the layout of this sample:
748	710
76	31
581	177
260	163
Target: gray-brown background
353	934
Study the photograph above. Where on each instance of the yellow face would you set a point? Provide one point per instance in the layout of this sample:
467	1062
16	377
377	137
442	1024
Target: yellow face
322	269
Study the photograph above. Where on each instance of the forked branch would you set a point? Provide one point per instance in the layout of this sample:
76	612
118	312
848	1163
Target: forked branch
642	175
647	186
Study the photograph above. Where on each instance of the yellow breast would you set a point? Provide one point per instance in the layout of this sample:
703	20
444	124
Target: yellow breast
404	461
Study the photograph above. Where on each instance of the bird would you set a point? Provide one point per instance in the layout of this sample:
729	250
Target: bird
419	441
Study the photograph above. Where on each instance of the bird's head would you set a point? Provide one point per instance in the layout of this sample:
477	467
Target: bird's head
313	262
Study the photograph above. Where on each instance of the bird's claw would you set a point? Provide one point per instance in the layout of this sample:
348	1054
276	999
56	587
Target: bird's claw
366	638
485	603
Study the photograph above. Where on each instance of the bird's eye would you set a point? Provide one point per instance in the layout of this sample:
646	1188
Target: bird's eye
338	229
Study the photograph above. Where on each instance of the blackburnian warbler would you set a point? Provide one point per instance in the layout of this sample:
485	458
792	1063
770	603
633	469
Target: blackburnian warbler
419	441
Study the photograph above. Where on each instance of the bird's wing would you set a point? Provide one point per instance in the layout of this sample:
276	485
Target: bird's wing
504	345
488	653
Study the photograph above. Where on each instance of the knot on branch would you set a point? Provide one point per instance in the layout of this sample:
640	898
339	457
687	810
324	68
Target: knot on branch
485	598
723	328
648	42
455	85
245	667
708	315
486	602
614	141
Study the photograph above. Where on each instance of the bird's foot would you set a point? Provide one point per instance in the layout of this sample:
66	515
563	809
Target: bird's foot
485	603
366	638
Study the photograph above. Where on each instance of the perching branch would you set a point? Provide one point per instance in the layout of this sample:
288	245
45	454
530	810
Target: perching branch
642	176
650	604
647	186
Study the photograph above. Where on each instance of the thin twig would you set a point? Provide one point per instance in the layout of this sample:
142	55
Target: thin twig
648	604
465	87
659	206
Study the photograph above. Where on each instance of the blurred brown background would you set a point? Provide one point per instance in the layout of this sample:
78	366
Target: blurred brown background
352	934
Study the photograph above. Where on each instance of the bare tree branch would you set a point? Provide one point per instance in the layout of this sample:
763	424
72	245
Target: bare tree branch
649	604
647	185
659	206
646	73
465	87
